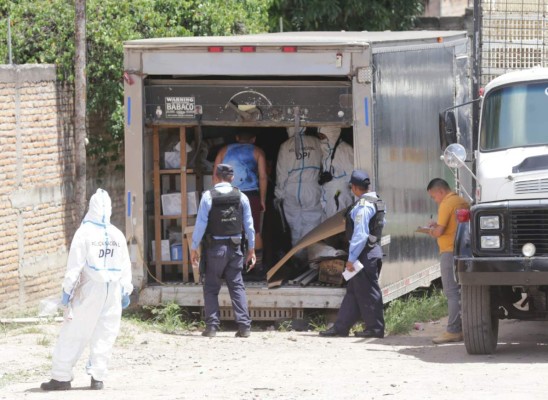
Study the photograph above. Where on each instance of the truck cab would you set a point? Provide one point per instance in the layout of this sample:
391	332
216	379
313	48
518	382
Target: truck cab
501	249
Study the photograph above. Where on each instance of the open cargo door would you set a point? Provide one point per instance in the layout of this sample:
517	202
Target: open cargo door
328	228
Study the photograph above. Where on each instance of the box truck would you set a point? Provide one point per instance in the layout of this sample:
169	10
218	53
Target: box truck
184	96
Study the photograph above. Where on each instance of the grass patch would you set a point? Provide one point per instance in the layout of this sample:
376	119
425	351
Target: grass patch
30	330
44	341
401	314
318	321
167	318
23	375
125	337
285	326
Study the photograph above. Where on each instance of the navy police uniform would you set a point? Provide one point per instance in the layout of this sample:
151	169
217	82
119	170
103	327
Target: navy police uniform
223	214
363	298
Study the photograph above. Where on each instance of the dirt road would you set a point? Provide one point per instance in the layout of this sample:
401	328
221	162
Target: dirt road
287	365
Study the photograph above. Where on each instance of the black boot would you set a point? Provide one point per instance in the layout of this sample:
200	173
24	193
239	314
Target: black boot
332	332
210	331
370	334
96	385
243	332
55	385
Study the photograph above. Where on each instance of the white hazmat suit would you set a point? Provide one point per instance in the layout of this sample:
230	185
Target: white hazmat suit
98	275
297	170
336	194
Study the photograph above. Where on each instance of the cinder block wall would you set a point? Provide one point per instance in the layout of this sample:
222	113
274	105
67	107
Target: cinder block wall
37	175
36	171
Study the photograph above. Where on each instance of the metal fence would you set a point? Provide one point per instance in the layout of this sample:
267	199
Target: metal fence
514	36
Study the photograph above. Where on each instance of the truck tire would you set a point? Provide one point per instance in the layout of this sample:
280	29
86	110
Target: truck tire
480	325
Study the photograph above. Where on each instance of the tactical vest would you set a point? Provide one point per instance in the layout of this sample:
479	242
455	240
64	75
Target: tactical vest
376	223
225	217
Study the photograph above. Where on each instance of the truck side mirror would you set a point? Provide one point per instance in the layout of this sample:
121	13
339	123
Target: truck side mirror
448	129
454	155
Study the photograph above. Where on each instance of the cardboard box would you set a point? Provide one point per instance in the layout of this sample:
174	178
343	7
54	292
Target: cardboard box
165	250
331	271
171	203
172	159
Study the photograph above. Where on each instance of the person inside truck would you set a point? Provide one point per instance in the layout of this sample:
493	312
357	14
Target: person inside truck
297	191
363	298
444	231
223	214
337	165
249	164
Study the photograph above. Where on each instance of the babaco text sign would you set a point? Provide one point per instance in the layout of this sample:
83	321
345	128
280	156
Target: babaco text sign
179	107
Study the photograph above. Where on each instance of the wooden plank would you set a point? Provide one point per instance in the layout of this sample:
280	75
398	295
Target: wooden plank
157	201
328	228
184	206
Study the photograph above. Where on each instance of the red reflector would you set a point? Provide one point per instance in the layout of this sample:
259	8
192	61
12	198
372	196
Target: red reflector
215	49
289	49
247	49
481	91
463	215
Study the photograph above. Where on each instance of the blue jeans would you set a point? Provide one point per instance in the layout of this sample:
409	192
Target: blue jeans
451	289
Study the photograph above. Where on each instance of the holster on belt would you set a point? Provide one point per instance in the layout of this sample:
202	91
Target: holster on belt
205	243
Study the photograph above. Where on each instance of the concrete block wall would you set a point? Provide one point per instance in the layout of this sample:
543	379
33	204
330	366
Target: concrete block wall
36	171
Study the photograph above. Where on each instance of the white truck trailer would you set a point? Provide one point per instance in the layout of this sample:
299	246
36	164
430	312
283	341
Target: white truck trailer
384	89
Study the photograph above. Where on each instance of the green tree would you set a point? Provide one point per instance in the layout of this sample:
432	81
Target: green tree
348	15
43	32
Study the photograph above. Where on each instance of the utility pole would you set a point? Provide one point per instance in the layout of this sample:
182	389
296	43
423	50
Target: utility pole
80	133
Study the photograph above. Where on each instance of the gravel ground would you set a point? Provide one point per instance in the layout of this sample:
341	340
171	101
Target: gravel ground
147	364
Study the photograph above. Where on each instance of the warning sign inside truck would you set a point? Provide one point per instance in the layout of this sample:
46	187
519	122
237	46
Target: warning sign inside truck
180	107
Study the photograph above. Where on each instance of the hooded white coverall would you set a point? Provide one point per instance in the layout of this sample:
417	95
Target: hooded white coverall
98	275
336	195
297	170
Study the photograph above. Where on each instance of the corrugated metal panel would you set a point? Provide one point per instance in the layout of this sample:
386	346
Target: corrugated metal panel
408	99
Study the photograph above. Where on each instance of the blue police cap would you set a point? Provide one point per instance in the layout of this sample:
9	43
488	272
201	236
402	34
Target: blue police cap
360	178
225	170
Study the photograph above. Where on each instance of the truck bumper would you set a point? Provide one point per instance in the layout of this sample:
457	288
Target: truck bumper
515	271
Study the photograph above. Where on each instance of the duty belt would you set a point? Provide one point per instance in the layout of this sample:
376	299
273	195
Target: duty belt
237	240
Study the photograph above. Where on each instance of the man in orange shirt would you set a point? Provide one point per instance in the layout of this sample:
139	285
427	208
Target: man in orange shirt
444	231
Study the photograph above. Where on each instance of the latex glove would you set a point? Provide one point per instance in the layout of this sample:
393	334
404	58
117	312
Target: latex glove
65	299
125	301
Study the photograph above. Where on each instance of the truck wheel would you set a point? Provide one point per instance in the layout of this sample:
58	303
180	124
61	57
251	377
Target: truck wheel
480	325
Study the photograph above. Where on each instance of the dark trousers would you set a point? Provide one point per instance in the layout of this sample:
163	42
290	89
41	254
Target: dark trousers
363	299
224	260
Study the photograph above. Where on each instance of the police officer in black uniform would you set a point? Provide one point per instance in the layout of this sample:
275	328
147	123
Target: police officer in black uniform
223	215
363	298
